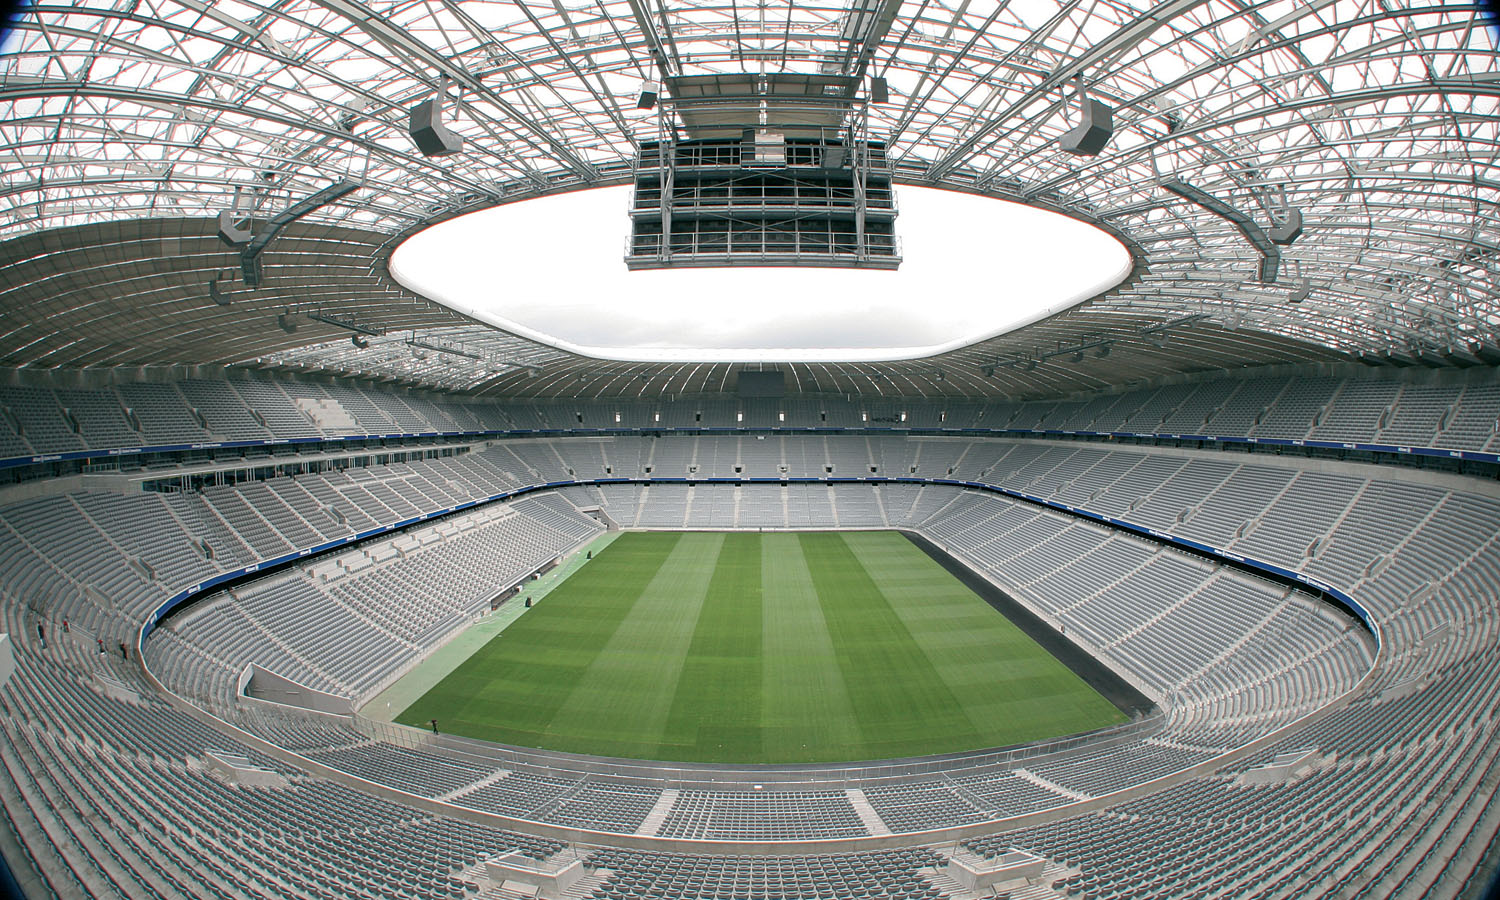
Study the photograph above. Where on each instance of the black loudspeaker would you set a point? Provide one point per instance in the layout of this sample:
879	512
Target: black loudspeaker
1092	133
1283	233
427	131
650	91
880	91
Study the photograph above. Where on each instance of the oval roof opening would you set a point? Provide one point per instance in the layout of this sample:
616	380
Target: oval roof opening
552	269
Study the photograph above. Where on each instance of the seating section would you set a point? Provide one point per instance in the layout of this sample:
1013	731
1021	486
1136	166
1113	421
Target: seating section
163	414
112	799
107	788
1329	834
1453	414
762	816
643	875
570	801
418	773
921	805
1211	640
348	624
42	423
114	555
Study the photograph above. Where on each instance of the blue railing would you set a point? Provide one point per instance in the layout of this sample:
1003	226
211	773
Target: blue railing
119	452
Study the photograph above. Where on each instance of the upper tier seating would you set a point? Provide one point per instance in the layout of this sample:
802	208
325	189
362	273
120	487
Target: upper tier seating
1363	408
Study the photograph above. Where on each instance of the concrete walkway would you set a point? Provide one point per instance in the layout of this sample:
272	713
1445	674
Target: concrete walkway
442	660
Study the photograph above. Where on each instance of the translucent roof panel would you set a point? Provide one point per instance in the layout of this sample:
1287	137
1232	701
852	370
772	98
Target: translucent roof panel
1377	121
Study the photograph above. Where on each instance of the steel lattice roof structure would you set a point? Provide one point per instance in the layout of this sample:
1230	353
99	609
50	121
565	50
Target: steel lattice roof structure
126	127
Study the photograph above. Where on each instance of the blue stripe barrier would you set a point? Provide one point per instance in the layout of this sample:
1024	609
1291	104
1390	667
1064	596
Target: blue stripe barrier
1390	449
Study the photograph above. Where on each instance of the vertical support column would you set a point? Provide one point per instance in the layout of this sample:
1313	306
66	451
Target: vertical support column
861	162
667	158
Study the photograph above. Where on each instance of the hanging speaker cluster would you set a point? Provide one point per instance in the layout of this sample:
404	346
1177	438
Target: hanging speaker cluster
426	126
650	93
1092	133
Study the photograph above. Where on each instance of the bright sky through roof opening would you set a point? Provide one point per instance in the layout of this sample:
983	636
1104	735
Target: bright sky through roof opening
552	269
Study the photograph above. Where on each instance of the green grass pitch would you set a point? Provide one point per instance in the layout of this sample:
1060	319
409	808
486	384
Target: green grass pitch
762	648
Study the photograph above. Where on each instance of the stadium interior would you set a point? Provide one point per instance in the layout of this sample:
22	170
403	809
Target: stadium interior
252	486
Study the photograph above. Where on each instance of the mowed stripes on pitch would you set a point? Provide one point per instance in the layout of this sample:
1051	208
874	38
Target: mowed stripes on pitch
750	648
